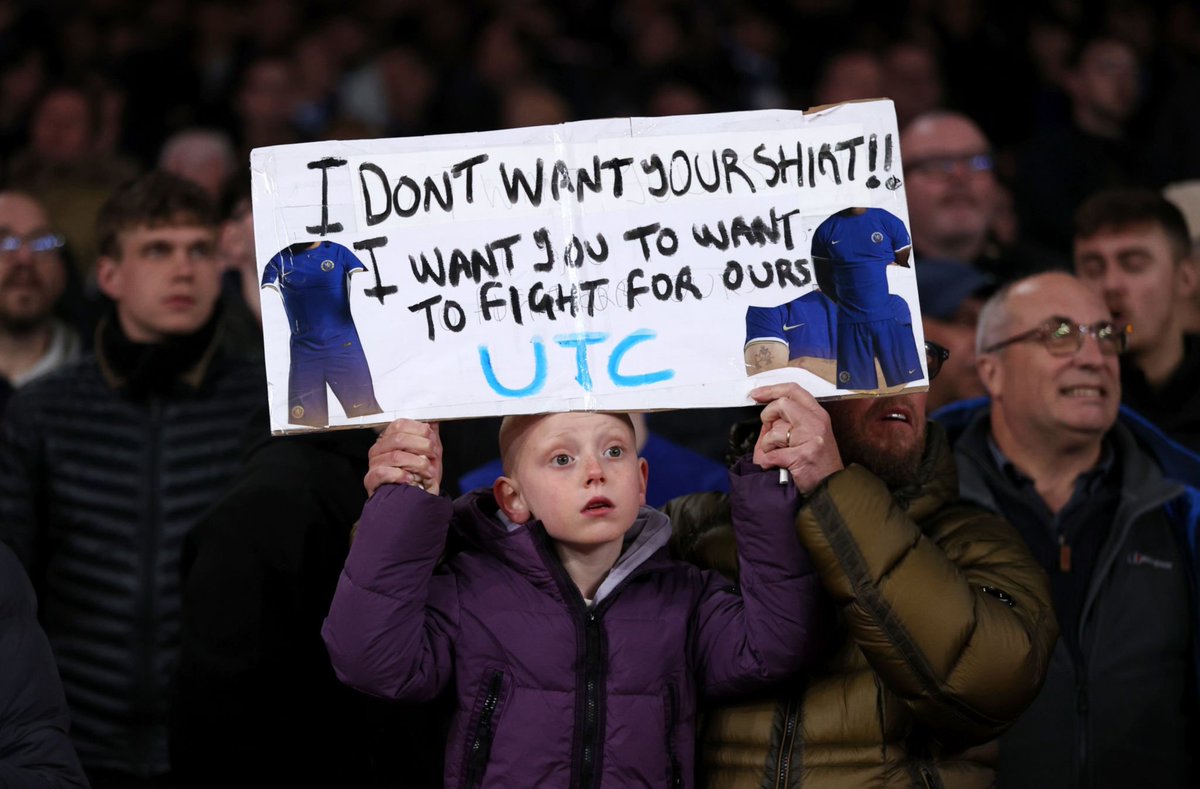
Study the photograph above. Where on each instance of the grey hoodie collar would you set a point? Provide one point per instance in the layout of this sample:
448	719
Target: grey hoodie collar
650	531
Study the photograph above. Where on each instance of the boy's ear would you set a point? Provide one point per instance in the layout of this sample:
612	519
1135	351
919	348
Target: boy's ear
509	497
644	468
108	277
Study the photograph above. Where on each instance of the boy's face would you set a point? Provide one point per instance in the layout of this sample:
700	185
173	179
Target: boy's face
578	473
165	280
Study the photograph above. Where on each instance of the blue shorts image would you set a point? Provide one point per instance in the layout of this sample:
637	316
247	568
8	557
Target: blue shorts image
890	340
346	373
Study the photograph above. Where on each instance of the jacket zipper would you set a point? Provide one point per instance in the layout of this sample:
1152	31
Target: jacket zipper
588	739
672	714
791	721
591	701
481	742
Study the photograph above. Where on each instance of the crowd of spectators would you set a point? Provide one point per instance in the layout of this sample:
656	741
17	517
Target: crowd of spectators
1074	96
1011	117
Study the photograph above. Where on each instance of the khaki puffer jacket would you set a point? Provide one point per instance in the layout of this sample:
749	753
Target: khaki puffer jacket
944	628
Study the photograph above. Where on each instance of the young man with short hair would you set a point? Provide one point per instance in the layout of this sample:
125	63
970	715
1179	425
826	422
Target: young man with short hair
1132	250
106	464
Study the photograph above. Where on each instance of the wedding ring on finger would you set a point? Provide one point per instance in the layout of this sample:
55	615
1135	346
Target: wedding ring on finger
787	440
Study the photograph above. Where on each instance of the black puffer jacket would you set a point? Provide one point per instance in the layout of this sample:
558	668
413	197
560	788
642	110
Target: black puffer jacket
34	748
104	467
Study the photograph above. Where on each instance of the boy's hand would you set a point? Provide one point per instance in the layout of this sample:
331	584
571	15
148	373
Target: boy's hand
796	435
407	452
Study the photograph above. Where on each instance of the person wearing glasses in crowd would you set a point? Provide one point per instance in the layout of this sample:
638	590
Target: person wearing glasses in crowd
1132	248
955	201
944	626
33	275
1108	506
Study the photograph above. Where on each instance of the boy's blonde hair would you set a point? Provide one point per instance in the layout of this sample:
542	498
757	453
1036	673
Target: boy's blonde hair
514	428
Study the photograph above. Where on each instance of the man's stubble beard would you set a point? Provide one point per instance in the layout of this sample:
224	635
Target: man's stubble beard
898	466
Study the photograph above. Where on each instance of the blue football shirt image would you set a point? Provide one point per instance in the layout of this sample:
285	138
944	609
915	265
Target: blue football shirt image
314	281
855	248
860	248
807	325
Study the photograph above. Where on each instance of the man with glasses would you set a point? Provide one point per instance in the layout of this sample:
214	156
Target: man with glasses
1132	249
1101	500
944	626
954	199
33	276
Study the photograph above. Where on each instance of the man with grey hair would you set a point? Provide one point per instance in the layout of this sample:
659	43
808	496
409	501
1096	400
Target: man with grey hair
1100	497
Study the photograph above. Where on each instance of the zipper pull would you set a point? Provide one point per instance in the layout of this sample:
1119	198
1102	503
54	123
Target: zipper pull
1064	554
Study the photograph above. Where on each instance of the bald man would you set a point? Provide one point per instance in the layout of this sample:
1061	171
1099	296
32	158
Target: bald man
1103	501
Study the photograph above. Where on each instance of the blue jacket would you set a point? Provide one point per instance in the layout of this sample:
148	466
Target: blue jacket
1176	461
1120	711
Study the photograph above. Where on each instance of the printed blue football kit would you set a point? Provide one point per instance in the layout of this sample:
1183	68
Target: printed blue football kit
314	281
858	249
807	325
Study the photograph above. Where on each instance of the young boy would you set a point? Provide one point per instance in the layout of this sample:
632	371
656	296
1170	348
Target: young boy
574	645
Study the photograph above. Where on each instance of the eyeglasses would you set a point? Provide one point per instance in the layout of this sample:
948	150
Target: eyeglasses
1064	337
935	356
42	244
946	165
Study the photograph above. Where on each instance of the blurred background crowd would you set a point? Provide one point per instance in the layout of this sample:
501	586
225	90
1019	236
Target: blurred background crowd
1011	115
1073	96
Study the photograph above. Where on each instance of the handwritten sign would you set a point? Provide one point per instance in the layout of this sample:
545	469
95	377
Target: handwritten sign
615	264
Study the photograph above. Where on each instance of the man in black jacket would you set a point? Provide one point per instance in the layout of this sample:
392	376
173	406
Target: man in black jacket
1109	509
106	464
255	686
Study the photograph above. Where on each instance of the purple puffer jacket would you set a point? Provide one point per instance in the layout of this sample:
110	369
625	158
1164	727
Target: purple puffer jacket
550	692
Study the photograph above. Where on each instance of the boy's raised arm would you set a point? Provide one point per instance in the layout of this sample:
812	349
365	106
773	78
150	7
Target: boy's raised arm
392	621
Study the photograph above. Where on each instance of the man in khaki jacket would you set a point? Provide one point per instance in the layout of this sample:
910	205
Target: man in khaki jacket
944	621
